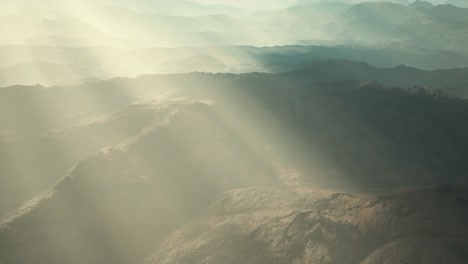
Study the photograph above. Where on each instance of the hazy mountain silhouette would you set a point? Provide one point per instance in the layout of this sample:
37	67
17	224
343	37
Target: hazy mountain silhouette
421	4
364	23
448	12
307	2
412	28
77	65
459	3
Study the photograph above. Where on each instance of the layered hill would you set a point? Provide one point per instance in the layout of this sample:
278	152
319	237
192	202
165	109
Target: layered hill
45	65
394	24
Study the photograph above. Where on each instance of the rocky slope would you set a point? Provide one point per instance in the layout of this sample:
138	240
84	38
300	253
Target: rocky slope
266	225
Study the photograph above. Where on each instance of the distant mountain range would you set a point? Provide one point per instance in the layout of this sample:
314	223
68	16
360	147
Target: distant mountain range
407	26
459	3
351	2
29	65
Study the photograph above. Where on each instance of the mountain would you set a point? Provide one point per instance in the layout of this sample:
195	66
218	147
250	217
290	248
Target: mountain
304	225
298	17
257	5
421	4
442	34
408	28
351	2
459	3
372	22
448	12
450	81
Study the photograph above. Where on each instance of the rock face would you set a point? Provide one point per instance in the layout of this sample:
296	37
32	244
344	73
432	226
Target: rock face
265	225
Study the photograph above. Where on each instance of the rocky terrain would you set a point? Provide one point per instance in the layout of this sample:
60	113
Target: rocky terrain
306	225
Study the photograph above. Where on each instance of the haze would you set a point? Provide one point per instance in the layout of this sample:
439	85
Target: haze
225	132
